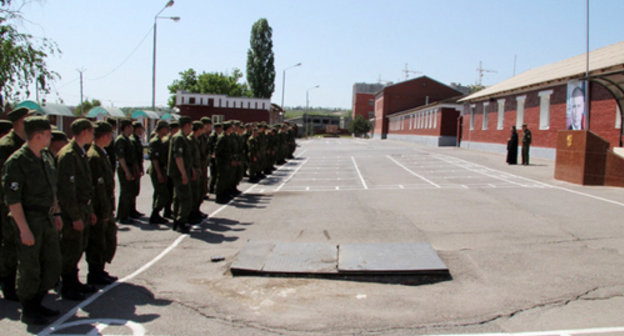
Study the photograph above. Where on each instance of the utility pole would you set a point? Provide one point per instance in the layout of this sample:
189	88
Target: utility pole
81	87
480	70
408	71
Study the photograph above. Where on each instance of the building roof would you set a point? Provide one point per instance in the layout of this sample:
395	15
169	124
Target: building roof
109	111
600	60
47	109
145	114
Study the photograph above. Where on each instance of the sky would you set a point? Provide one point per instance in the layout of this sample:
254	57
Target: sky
339	42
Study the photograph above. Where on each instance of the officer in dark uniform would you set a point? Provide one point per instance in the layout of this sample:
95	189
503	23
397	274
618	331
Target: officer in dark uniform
137	141
526	144
180	171
103	235
8	241
126	156
158	172
29	185
75	192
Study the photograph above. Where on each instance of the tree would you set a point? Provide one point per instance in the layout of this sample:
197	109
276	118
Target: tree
260	68
360	126
86	107
213	83
22	57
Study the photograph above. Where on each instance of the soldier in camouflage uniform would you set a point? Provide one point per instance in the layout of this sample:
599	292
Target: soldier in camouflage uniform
212	142
174	127
29	187
126	156
195	217
10	143
205	152
59	140
137	141
5	127
75	192
225	163
158	172
253	156
103	235
180	170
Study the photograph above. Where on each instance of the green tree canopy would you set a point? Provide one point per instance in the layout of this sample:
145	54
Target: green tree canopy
87	105
213	83
22	57
360	126
260	67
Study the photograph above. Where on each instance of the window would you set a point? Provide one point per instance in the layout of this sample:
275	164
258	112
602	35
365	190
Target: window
210	101
485	115
192	100
435	118
501	114
544	121
472	111
371	102
520	111
217	118
618	116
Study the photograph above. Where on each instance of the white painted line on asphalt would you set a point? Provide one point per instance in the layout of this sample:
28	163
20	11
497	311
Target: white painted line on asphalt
359	173
307	188
413	173
478	170
337	188
545	185
592	331
60	321
401	186
291	176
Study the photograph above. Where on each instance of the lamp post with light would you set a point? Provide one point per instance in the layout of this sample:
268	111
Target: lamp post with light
305	115
284	83
174	18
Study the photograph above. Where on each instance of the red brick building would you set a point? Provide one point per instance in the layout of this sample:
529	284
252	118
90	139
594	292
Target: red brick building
222	107
539	98
400	97
434	124
364	99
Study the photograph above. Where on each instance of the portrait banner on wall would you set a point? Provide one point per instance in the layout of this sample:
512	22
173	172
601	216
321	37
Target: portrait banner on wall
575	107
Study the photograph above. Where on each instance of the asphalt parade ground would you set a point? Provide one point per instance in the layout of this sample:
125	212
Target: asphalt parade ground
528	255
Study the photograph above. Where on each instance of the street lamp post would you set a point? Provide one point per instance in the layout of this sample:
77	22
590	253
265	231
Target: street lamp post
174	18
284	82
305	115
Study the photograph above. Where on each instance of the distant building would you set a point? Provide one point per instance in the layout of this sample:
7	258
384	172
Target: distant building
364	99
315	124
403	98
222	107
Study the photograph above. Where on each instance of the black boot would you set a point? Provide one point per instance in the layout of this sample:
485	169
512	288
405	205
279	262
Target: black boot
45	311
183	228
96	276
167	213
156	219
30	313
8	288
110	277
175	225
70	289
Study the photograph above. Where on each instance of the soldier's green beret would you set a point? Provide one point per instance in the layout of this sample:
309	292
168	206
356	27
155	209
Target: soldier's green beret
80	125
197	125
35	124
227	124
206	120
185	120
102	127
137	124
174	124
125	123
58	135
5	126
236	123
20	112
218	124
162	124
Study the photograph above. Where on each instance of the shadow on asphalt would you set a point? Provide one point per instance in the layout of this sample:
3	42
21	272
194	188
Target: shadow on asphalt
393	279
210	230
251	201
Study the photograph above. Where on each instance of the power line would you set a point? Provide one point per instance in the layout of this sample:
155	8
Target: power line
126	59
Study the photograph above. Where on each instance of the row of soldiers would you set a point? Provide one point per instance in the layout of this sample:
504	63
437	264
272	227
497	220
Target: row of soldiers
59	194
183	152
58	205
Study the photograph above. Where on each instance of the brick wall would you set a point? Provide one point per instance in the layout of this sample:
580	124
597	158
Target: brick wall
603	113
362	105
